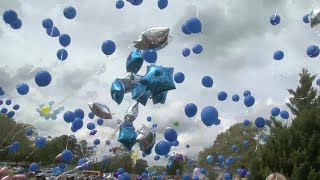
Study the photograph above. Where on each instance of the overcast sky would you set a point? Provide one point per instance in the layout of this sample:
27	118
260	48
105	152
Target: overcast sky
238	42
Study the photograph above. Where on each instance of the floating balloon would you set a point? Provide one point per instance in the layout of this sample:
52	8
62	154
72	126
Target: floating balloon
235	98
246	122
119	4
194	25
217	122
315	17
135	2
306	18
64	40
10	16
132	113
69	12
275	111
117	91
154	38
210	159
134	61
77	124
43	78
4	110
284	114
162	4
209	115
108	47
185	30
17	24
68	116
260	122
96	142
78	113
62	54
107	142
190	110
22	88
160	98
8	102
149	118
127	136
10	114
156	157
187	146
93	132
91	126
176	123
162	148
150	56
186	52
53	32
34	167
234	148
246	93
100	122
220	158
249	101
197	49
100	110
140	93
40	142
313	51
29	132
207	81
170	134
318	82
222	96
278	55
47	23
66	155
146	139
275	19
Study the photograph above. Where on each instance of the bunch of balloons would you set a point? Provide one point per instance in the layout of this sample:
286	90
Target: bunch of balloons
11	17
6	111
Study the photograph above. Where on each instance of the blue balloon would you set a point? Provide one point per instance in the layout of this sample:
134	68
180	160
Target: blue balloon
188	146
249	101
235	148
10	16
79	113
156	157
47	23
238	158
284	114
33	167
190	110
160	98
64	40
186	177
260	122
217	122
179	77
43	78
66	155
318	82
134	61
119	4
278	55
107	142
170	134
96	142
10	114
150	56
91	126
4	110
53	32
268	122
196	178
91	115
17	24
207	81
136	2
175	143
8	102
162	4
210	159
120	170
203	171
154	125
186	52
265	138
73	129
16	107
162	148
275	111
127	136
275	19
209	115
108	47
194	25
77	123
22	88
29	132
313	51
306	18
1	92
149	119
184	29
246	122
246	93
62	165
220	158
14	147
235	98
62	54
227	176
158	79
117	91
40	142
68	116
222	96
100	122
197	49
83	163
69	12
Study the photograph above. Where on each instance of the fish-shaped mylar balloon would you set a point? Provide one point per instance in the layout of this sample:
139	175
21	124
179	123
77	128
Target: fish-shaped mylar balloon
132	113
314	17
146	139
154	38
100	110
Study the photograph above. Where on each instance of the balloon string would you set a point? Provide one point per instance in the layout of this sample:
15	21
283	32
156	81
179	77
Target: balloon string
4	148
275	14
68	138
31	153
81	150
17	134
78	167
9	133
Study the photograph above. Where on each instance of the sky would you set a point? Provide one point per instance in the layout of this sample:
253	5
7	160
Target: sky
238	42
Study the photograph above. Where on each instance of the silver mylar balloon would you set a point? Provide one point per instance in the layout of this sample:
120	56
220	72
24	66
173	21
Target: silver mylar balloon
132	113
146	138
100	110
126	80
154	38
314	17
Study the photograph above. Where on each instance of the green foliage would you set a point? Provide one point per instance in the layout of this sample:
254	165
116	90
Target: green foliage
176	165
140	166
122	159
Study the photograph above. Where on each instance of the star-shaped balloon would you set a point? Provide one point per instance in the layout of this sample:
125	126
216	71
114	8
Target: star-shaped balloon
134	61
127	136
158	79
117	91
140	93
160	98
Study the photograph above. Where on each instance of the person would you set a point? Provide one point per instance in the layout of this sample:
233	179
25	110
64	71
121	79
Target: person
276	176
243	172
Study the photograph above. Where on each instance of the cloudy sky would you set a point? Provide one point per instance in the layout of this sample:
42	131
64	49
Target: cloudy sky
238	42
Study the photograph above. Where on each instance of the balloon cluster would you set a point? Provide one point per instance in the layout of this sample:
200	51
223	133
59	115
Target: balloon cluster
11	17
6	111
48	111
